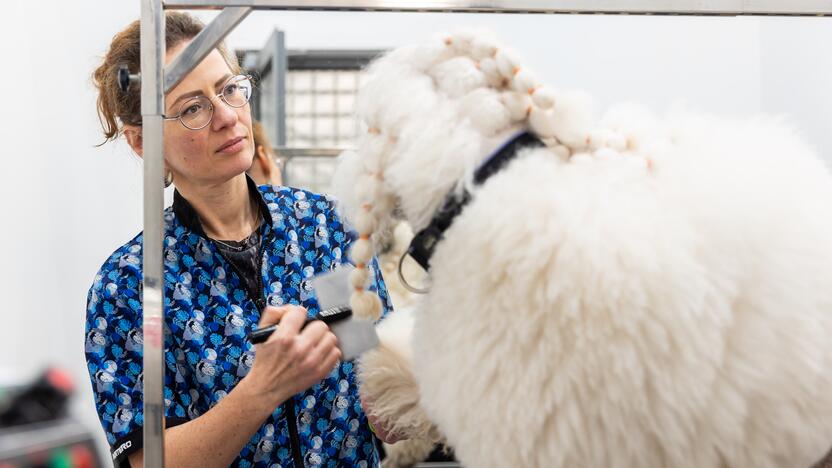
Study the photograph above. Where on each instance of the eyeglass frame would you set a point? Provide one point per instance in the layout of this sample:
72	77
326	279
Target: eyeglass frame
211	102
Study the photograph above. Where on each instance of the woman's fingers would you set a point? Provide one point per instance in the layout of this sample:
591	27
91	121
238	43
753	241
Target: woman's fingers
330	361
320	356
312	351
271	316
291	322
315	331
325	345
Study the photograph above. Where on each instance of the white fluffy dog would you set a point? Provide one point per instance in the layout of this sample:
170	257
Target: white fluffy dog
640	292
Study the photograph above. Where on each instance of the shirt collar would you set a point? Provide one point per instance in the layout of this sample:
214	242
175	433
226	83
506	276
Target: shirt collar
187	215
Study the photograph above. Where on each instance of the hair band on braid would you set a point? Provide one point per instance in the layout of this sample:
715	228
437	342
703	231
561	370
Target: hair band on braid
366	304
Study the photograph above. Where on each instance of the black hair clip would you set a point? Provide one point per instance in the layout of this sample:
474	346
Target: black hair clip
125	78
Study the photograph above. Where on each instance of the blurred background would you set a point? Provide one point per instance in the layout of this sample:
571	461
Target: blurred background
68	204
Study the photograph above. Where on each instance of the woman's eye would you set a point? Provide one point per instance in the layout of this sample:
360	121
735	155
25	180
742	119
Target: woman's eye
192	109
230	89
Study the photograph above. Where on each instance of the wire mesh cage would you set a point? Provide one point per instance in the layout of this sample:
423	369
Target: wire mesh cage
319	120
306	102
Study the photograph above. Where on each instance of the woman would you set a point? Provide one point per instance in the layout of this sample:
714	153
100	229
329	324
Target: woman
264	169
231	251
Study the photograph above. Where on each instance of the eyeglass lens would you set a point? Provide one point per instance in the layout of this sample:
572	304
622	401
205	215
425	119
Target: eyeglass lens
197	112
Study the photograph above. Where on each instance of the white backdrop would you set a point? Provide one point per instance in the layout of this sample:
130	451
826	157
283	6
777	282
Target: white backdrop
68	204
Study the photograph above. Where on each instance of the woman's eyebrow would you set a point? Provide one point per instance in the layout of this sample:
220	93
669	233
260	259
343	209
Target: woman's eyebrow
198	92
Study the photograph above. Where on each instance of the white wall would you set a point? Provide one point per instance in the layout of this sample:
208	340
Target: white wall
711	62
797	75
67	204
726	65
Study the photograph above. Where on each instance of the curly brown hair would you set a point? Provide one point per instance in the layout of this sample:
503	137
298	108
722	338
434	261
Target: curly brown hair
117	108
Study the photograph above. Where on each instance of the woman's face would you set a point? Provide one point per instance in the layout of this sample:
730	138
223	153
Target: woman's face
221	150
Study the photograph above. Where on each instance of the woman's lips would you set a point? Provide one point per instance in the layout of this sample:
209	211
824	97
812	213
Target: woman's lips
232	146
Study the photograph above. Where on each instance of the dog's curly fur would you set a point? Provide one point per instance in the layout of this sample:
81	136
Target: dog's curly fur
387	378
641	292
395	355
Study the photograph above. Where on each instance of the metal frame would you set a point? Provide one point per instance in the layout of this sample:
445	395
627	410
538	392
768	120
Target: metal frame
325	59
153	108
667	7
274	65
314	137
322	66
156	80
203	44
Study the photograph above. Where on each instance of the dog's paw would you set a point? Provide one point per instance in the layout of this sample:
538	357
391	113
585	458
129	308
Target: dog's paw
407	453
386	379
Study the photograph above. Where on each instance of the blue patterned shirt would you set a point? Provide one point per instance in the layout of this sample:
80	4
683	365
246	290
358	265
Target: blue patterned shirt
208	313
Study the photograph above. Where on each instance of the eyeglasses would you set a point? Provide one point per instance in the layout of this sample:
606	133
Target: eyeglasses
196	113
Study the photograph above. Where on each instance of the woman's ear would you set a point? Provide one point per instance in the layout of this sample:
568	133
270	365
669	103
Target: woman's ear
133	133
263	161
260	152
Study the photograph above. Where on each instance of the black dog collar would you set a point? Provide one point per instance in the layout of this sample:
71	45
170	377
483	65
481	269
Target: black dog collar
424	242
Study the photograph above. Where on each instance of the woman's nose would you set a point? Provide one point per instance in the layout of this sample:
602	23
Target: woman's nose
224	115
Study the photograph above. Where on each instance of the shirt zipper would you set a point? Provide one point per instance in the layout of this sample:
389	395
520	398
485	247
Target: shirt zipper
288	405
294	439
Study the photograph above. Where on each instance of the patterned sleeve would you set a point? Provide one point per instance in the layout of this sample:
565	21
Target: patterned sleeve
113	348
377	285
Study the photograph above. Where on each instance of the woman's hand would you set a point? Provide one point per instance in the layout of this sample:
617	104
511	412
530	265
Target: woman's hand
292	360
289	362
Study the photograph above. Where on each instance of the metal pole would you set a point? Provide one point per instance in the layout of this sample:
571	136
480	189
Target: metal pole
153	106
273	61
280	70
203	44
658	7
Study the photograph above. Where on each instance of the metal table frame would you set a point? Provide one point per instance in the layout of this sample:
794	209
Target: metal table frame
156	80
